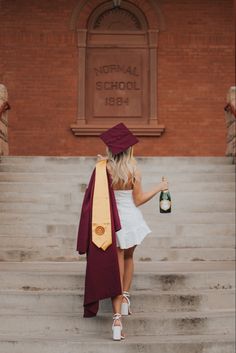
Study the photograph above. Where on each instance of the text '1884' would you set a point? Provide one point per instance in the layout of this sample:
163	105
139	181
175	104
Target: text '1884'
116	101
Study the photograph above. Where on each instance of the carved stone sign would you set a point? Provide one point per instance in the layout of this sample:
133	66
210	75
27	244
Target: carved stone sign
116	84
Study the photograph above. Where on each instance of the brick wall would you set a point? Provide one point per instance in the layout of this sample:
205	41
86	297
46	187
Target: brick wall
39	67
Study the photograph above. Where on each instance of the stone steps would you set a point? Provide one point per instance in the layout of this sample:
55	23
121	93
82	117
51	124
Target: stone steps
64	252
183	206
87	162
70	160
183	292
185	254
179	198
39	188
175	323
38	195
83	178
71	218
37	302
161	229
157	241
219	343
162	276
83	170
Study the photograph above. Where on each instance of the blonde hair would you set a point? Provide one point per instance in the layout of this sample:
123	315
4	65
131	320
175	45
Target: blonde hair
122	166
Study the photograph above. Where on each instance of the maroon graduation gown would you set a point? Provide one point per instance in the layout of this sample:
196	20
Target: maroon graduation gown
102	279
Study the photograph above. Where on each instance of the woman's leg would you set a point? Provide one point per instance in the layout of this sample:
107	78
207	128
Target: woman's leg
128	268
116	301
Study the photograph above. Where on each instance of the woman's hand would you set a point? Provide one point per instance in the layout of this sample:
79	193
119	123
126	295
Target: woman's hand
164	185
141	197
101	158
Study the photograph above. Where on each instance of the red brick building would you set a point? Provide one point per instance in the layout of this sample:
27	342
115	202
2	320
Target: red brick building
193	65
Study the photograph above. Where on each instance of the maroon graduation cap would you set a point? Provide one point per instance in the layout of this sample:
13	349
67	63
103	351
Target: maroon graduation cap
118	138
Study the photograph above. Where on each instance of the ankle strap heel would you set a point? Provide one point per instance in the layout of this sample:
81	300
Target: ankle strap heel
125	307
116	329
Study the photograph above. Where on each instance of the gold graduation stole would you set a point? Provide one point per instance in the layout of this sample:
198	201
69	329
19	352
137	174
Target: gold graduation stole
101	214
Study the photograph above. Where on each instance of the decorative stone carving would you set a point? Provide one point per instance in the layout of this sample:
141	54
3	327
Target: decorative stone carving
230	116
4	106
117	19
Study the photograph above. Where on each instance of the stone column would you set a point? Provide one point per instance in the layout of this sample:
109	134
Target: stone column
230	117
4	106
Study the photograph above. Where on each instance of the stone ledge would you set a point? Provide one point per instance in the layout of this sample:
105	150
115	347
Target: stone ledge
96	130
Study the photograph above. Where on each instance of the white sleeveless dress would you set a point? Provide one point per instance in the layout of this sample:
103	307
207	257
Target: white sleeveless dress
133	226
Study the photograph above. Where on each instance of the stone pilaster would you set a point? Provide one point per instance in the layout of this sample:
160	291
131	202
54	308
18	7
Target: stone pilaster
230	117
4	106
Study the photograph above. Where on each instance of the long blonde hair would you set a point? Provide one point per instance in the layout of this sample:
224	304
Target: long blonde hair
122	166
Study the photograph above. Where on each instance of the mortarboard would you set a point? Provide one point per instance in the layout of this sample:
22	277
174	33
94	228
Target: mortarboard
118	138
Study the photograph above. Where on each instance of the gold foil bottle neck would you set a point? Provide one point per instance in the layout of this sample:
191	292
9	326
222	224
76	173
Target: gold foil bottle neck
164	179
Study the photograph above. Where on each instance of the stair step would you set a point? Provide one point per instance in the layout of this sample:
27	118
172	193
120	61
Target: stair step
162	276
85	169
160	230
39	188
195	323
187	242
61	207
65	253
154	240
72	218
71	302
181	200
91	160
79	166
75	343
56	177
185	254
178	217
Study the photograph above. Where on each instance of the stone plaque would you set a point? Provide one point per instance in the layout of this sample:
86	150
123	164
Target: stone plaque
116	84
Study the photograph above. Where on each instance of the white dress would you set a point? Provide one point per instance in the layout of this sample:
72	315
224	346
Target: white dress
133	227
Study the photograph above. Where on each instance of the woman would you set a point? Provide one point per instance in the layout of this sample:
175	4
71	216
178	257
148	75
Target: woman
126	183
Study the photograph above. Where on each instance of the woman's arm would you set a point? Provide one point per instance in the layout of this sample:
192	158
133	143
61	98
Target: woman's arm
141	197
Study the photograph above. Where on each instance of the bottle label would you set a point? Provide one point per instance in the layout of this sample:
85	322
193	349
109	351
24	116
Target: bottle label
165	204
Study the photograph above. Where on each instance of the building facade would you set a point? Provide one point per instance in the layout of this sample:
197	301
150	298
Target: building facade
74	68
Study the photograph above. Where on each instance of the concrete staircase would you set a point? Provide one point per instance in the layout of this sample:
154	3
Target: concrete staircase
183	289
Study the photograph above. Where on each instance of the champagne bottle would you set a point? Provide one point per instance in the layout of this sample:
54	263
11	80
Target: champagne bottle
165	200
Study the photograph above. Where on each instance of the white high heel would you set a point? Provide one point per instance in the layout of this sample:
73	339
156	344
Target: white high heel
125	307
117	329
